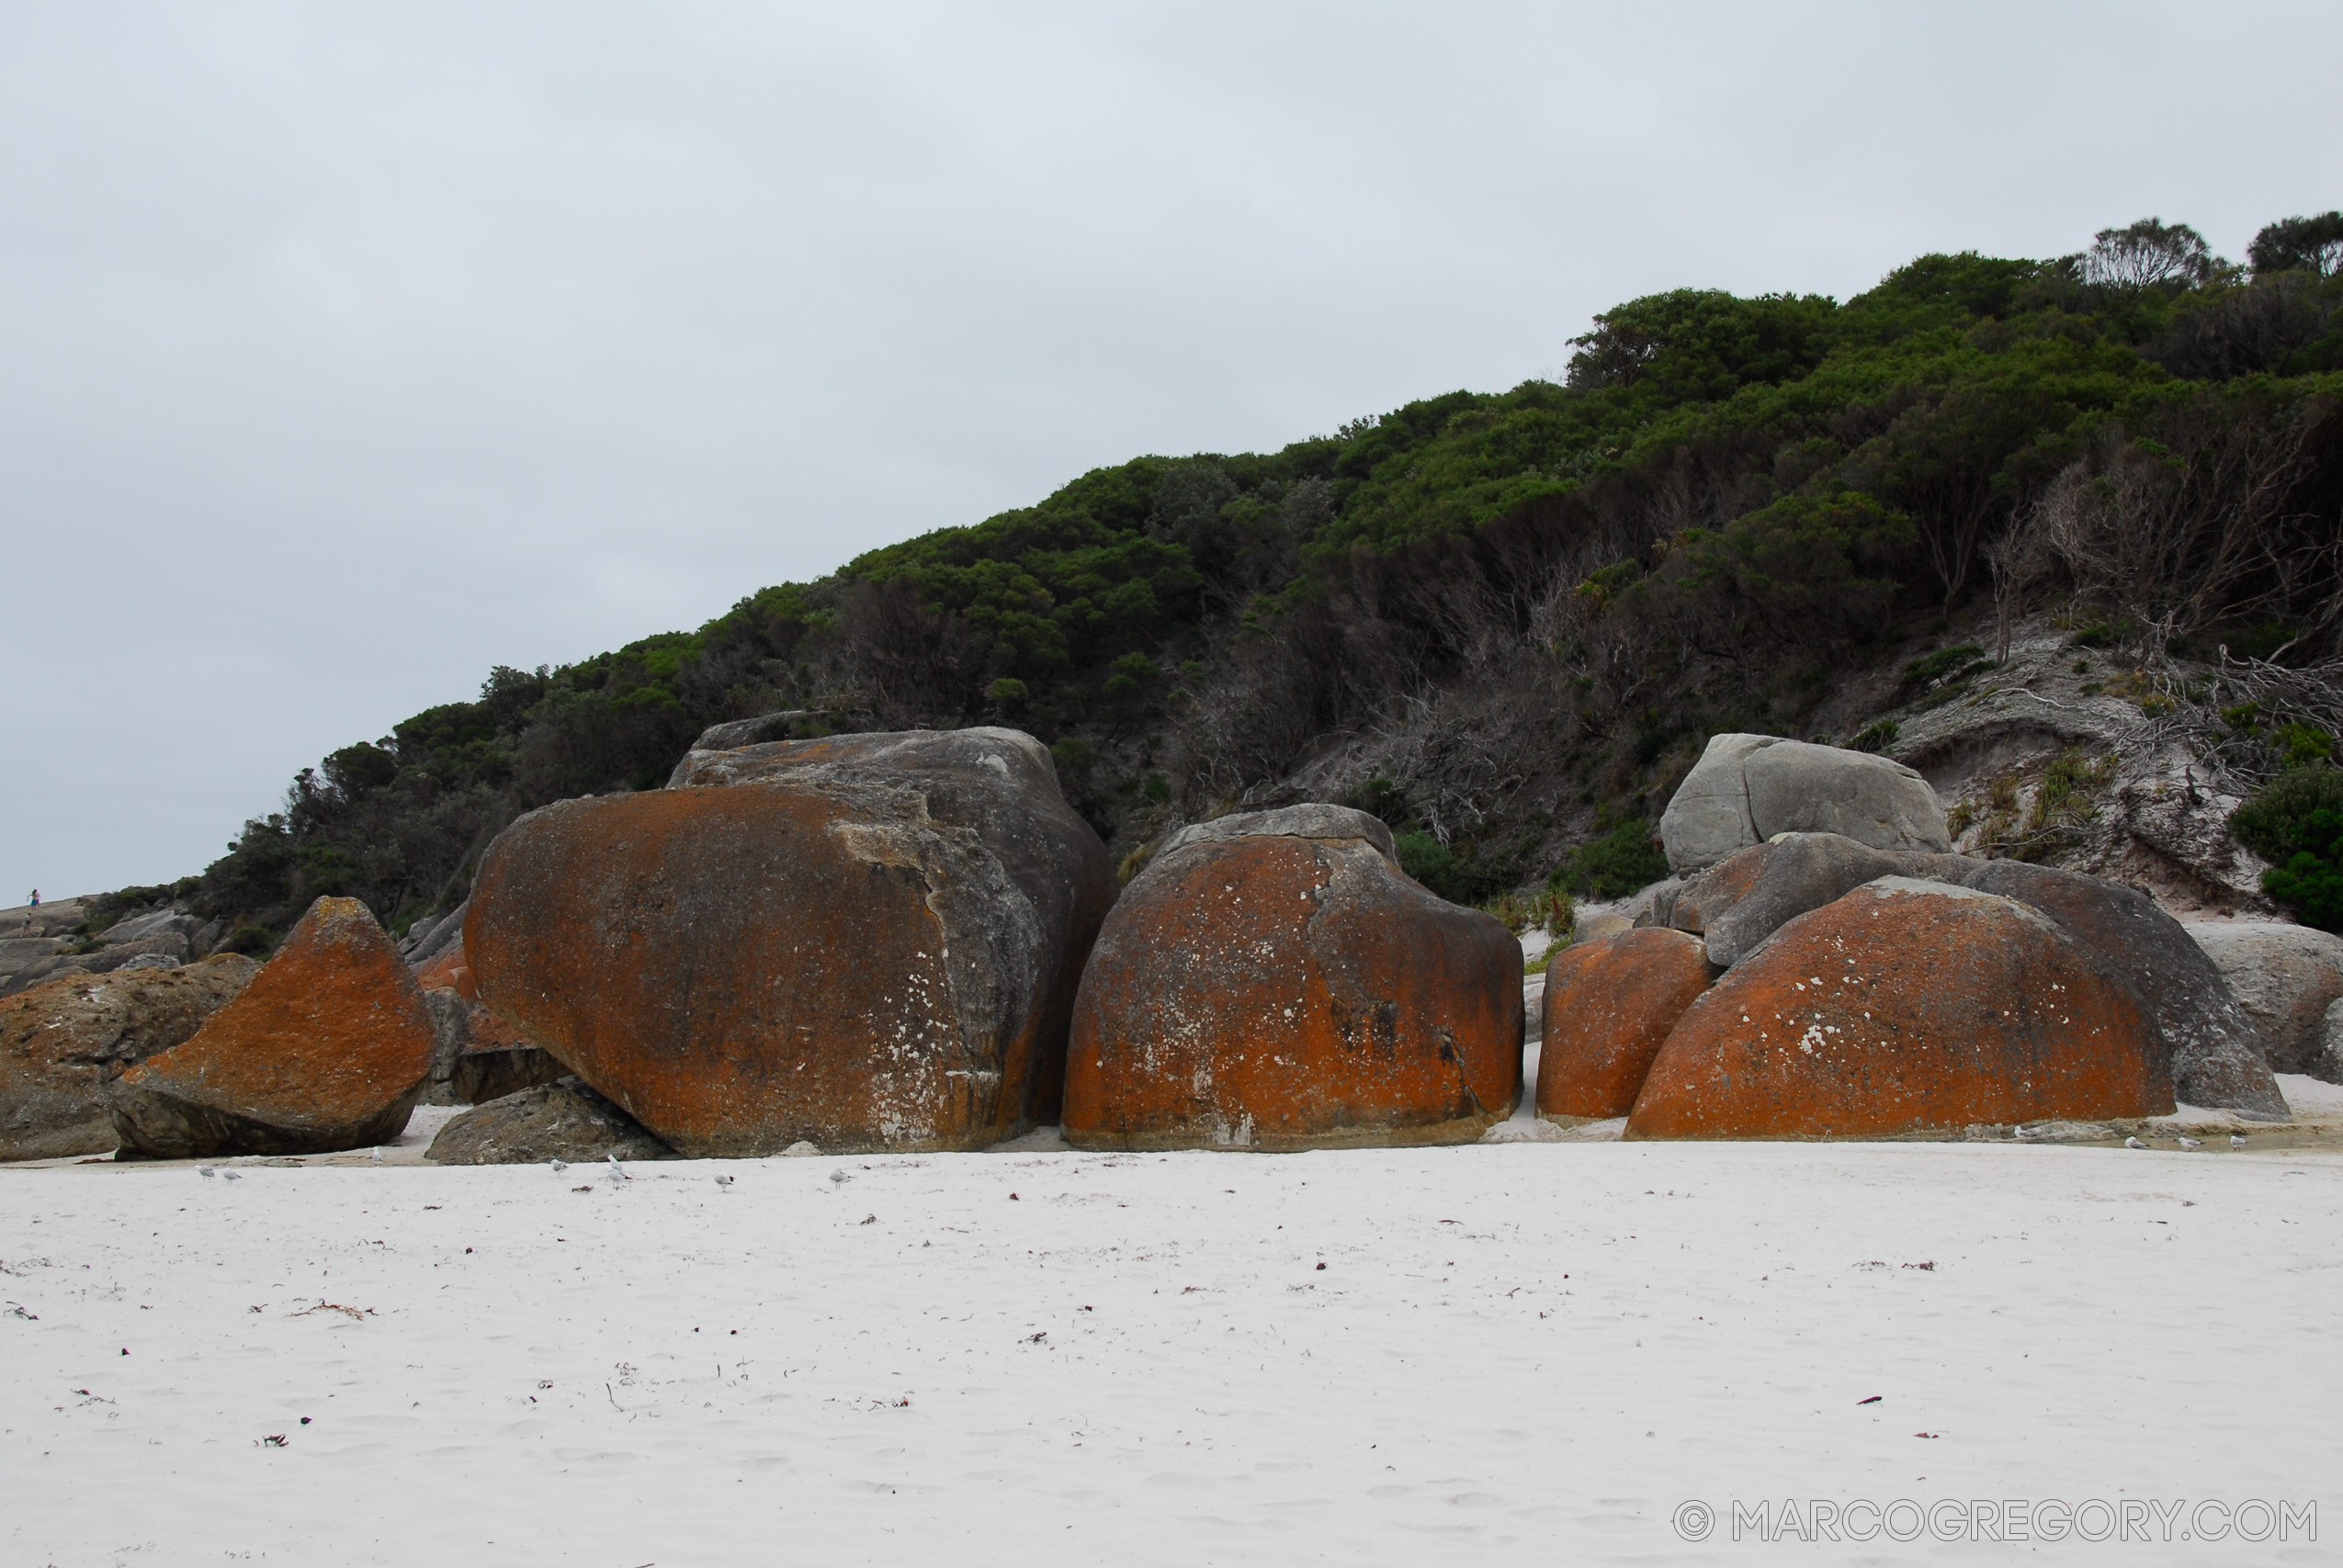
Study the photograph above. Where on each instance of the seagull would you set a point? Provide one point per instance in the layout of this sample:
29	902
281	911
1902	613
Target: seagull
205	1170
2236	1140
2189	1142
377	1154
840	1176
723	1179
2134	1144
617	1171
558	1166
231	1176
2021	1131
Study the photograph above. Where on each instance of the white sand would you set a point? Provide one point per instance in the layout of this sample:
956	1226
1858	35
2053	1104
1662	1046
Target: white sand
1518	1354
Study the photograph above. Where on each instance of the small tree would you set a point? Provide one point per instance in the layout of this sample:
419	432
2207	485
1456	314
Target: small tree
2300	244
2151	253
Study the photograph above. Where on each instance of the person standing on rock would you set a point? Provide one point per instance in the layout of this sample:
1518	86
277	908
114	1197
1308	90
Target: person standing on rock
33	902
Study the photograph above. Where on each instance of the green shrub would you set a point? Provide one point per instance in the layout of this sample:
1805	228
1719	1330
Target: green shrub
1131	675
2301	745
2296	823
1875	736
1009	690
1432	863
1924	672
1622	861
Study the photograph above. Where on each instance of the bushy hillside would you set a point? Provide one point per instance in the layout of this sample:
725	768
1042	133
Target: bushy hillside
1504	621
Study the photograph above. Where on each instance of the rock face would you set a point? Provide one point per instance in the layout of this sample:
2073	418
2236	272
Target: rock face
868	941
1905	1006
60	1041
1274	981
42	944
477	1055
326	1049
430	940
2285	977
1747	788
2212	1048
561	1120
1608	1006
2329	1064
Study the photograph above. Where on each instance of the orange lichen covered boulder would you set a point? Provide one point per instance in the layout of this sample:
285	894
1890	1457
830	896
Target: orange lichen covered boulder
1903	1007
448	972
62	1040
1609	1005
867	942
1274	981
327	1048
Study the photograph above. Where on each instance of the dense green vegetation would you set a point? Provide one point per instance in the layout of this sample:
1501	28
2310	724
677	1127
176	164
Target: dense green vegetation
2296	823
1520	612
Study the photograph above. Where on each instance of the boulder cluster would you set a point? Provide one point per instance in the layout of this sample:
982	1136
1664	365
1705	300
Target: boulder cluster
910	941
1849	977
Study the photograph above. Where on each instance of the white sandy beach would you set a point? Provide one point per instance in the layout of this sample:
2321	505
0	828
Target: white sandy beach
1530	1353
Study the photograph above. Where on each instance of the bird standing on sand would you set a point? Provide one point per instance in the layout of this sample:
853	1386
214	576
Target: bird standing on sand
2134	1144
2236	1140
2189	1142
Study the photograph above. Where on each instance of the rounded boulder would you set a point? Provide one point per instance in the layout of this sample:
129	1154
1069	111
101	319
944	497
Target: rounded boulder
1274	981
1609	1006
1747	788
867	942
1905	1007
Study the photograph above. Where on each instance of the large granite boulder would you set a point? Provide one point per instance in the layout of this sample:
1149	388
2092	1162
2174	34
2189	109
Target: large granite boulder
1747	788
1275	981
1609	1005
2285	977
326	1049
1905	1007
62	1041
2211	1047
563	1120
867	942
2210	1044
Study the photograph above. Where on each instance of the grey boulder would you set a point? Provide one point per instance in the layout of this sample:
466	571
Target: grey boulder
1738	903
1314	820
1747	788
2217	1057
563	1120
2286	977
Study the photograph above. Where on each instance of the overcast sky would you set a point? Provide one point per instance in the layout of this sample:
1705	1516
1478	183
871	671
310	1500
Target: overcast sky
346	351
